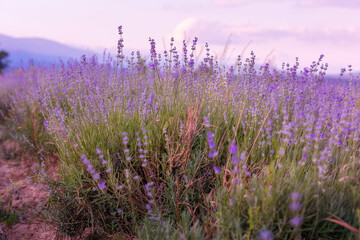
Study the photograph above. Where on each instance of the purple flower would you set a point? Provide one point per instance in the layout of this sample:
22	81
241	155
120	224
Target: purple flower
120	32
148	206
296	221
98	151
108	170
213	154
102	185
86	161
243	156
89	168
295	196
233	148
104	162
210	136
236	181
96	176
206	122
83	156
216	169
265	234
235	160
295	206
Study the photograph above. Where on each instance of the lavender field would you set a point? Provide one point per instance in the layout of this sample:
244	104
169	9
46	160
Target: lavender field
175	147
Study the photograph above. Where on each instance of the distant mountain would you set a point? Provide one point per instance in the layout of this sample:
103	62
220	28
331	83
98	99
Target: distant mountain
40	50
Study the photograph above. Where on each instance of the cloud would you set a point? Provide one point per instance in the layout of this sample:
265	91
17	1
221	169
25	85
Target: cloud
211	31
328	34
174	8
302	3
184	6
216	33
230	3
330	3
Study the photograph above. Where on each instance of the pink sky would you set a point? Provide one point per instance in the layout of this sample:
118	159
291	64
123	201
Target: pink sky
285	29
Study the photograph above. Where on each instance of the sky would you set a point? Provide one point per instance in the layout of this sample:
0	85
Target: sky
276	30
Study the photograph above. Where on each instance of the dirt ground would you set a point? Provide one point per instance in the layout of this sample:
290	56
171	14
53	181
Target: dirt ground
24	196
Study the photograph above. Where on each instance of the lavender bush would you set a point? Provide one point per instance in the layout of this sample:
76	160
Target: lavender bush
171	148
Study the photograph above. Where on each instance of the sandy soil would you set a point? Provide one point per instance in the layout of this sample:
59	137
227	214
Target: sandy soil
26	198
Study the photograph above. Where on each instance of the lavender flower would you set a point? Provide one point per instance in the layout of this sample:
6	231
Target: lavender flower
216	170
213	154
102	185
96	176
243	156
207	122
89	167
233	148
296	221
295	206
98	151
295	196
265	234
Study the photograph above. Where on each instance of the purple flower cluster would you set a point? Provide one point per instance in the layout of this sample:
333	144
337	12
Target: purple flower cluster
295	206
125	144
234	152
120	45
142	145
92	171
213	153
151	202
